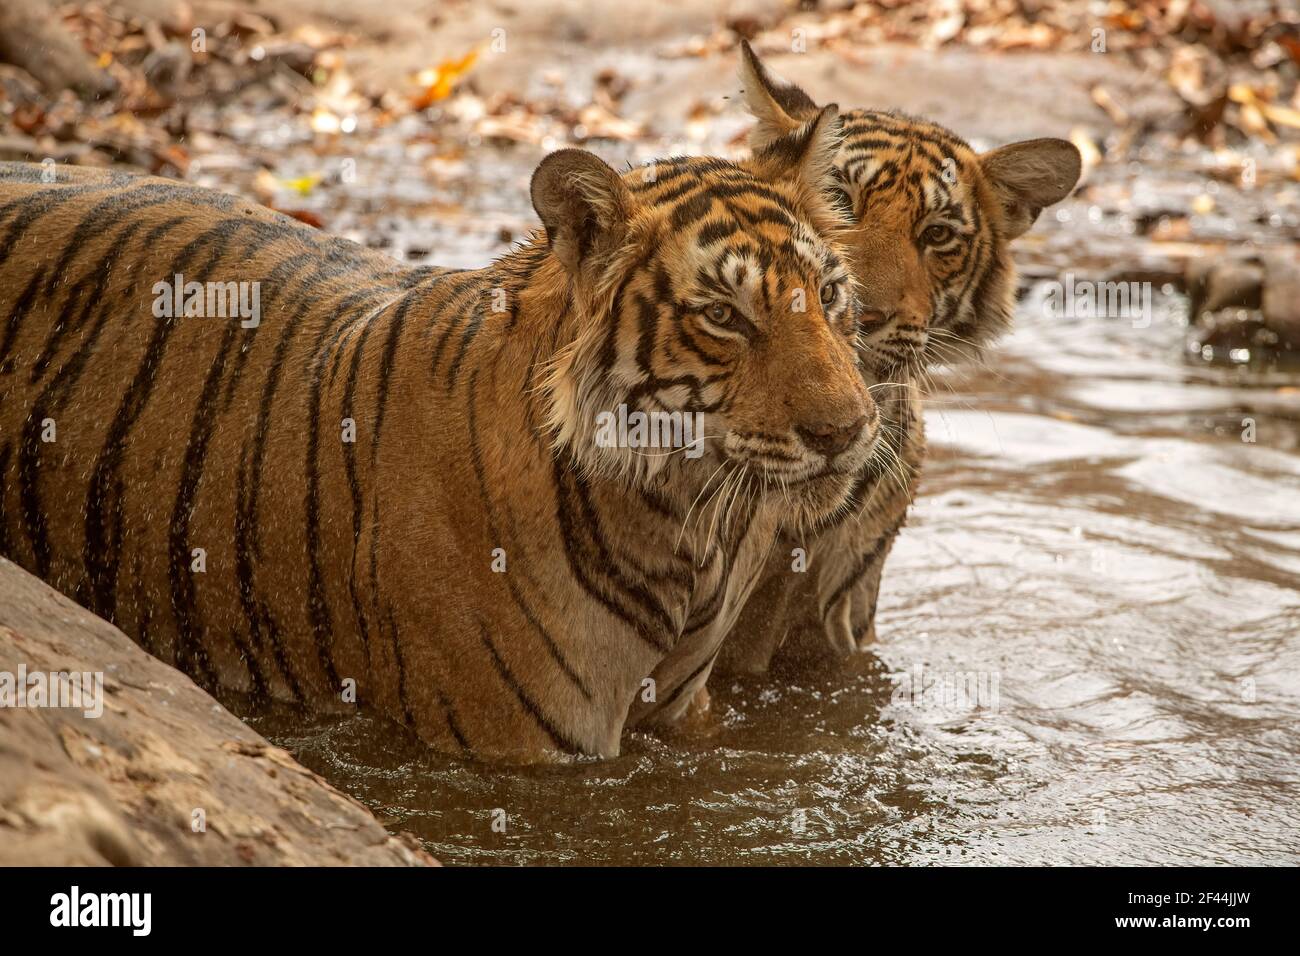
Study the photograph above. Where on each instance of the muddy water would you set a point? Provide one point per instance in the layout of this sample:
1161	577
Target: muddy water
1089	653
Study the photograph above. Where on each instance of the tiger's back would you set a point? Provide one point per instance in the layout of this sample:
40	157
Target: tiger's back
131	443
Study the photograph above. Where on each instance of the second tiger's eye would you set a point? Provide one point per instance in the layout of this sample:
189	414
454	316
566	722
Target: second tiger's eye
719	313
937	235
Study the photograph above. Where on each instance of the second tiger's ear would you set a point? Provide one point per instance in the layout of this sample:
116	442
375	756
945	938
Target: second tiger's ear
1029	176
583	204
806	158
779	106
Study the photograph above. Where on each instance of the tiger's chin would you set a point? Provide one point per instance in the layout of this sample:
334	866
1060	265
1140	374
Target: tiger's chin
820	499
807	503
810	492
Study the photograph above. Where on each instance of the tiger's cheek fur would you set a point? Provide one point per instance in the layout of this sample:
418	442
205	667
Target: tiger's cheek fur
895	281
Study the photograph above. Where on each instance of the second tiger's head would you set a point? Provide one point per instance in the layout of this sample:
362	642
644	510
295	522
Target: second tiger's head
933	221
713	319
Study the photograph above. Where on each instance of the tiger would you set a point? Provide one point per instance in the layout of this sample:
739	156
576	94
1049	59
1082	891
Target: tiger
387	487
930	250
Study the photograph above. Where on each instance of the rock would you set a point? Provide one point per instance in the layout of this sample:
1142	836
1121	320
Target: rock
18	86
125	787
1281	299
1215	284
32	36
168	67
1233	330
25	149
1247	301
175	16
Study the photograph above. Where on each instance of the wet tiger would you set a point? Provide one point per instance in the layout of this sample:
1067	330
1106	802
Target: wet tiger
387	482
933	223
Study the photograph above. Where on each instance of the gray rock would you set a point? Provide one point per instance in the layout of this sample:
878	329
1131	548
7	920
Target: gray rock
1281	299
1215	284
123	788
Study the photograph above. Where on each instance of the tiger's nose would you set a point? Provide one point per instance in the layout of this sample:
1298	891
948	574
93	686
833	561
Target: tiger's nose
830	439
873	320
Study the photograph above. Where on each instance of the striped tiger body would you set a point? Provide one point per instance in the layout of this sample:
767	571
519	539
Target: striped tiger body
390	476
930	249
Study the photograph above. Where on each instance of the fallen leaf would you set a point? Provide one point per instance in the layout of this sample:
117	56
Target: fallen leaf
439	82
1088	151
1101	96
1281	115
268	184
303	215
302	185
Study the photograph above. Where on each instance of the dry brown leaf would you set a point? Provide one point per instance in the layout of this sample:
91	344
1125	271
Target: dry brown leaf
1102	97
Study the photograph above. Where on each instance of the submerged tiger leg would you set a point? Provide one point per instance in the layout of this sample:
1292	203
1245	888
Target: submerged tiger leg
817	598
765	623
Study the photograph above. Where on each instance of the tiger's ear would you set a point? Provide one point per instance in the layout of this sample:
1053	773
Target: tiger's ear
1030	175
583	204
806	157
779	106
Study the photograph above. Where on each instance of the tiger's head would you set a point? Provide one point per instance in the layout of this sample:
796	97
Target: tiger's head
934	220
710	296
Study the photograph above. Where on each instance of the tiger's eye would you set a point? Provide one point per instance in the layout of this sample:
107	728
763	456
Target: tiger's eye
719	313
937	235
830	292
